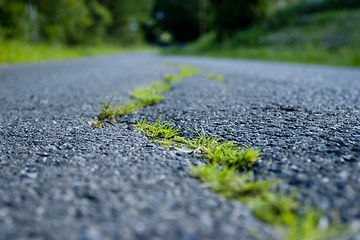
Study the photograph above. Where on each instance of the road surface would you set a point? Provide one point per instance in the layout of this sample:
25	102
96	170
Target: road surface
60	178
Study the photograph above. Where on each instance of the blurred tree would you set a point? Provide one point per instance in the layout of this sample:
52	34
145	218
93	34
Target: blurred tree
72	21
229	15
176	19
14	20
187	20
128	18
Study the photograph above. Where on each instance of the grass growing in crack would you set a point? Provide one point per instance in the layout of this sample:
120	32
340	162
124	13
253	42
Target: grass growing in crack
218	77
185	72
211	148
278	209
97	123
225	152
227	182
225	159
110	111
146	96
157	131
141	97
161	86
107	111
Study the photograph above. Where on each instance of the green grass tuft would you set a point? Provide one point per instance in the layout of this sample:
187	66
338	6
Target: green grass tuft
228	183
146	96
186	71
278	209
225	152
157	131
211	148
218	77
97	123
161	86
142	97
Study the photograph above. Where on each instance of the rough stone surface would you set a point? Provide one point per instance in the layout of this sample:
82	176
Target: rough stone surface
304	119
60	178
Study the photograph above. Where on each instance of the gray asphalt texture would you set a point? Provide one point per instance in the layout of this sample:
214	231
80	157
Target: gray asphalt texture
60	178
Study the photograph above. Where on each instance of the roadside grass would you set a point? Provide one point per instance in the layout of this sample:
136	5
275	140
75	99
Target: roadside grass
228	173
329	37
308	54
16	51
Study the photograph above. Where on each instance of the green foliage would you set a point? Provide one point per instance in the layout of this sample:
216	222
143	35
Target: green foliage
324	38
224	152
141	97
240	14
211	148
178	18
291	15
186	71
74	21
158	130
127	108
110	111
107	111
14	21
218	77
278	209
307	226
227	182
128	16
14	51
161	86
146	96
97	123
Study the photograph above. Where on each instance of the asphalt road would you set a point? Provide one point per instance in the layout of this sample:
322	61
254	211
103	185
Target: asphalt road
60	178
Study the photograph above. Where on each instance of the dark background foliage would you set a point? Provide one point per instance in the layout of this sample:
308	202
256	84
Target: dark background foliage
75	22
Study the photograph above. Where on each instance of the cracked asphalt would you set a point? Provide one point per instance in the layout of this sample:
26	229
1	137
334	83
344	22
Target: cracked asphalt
60	178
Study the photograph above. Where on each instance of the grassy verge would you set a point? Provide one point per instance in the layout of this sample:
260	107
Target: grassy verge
17	51
330	37
310	54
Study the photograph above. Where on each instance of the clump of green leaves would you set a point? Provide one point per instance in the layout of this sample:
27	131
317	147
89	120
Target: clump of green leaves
217	77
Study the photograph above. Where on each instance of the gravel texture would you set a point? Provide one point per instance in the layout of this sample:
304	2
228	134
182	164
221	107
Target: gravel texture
304	119
63	179
60	178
